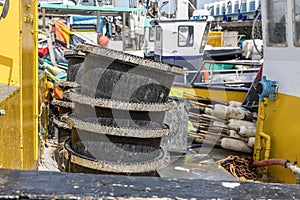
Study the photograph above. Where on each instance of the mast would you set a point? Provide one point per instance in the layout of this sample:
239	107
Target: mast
191	8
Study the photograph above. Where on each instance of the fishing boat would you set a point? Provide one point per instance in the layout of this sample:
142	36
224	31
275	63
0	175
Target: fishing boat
184	42
221	81
278	117
191	43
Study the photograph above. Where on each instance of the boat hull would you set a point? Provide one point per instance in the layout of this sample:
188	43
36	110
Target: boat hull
281	123
216	94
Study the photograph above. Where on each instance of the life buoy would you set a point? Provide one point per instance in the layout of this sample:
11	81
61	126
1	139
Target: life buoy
204	73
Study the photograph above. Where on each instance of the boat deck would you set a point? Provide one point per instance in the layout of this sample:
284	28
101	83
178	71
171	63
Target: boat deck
56	185
194	165
6	90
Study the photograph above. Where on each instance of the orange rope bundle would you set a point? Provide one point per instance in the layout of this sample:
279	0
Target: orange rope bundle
240	167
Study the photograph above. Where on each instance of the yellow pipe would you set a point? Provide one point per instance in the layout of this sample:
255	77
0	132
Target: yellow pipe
267	144
257	149
261	135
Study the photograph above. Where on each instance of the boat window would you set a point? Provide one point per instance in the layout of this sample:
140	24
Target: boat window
218	10
244	6
236	7
158	33
276	23
252	6
229	8
185	36
151	34
296	24
158	36
204	38
223	8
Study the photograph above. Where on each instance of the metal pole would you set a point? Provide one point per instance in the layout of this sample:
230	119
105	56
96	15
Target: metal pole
123	32
169	15
44	18
98	26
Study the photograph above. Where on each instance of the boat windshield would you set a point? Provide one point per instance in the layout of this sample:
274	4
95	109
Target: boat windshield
205	37
276	23
296	23
233	73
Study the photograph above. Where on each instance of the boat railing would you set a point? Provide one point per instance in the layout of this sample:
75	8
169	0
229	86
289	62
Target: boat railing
231	77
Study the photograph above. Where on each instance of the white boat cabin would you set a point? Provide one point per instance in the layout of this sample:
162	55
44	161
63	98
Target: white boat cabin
281	20
181	42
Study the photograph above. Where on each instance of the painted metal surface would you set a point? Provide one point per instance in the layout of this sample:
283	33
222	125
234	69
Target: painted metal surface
18	65
215	94
280	117
29	83
10	46
281	62
10	125
282	124
179	42
119	126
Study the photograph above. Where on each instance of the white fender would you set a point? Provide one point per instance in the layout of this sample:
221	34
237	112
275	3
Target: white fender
234	134
247	131
235	104
235	124
235	145
251	142
226	112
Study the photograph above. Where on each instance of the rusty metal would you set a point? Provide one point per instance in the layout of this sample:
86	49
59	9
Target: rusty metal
74	53
115	104
117	167
67	84
128	58
65	104
61	124
117	131
240	167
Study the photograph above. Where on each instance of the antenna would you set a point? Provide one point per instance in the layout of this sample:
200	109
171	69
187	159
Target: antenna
192	5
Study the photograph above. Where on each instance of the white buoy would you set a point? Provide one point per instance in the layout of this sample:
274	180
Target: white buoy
234	104
251	142
235	145
234	134
235	124
208	111
219	124
247	131
226	112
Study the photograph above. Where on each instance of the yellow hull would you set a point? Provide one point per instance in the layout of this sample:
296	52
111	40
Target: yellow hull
18	66
10	135
213	94
281	122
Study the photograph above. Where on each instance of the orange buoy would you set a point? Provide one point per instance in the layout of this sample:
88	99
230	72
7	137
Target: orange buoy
103	41
204	73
